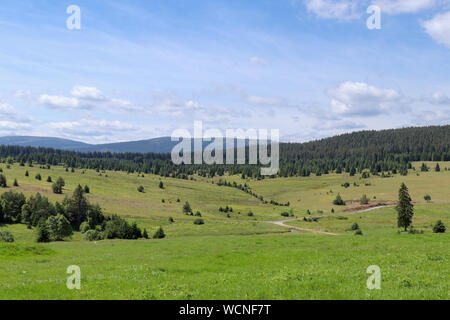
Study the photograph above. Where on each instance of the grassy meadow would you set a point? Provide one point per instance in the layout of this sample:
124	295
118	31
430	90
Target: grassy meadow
237	256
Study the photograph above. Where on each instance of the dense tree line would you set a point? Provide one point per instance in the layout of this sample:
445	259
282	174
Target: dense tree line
376	151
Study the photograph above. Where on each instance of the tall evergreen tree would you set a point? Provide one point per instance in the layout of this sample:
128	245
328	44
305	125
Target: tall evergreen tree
77	208
405	208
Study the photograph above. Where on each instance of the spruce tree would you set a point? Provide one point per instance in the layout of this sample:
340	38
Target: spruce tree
438	168
405	208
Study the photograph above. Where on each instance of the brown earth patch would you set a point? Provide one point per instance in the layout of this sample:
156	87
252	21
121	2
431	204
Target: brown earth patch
362	207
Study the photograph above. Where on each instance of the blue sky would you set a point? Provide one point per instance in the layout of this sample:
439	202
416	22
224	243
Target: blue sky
141	69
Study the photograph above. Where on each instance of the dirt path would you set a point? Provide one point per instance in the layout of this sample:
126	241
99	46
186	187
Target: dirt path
282	224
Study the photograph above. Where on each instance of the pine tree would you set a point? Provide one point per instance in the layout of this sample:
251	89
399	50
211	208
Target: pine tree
145	234
42	232
438	168
15	184
159	234
187	208
405	208
338	201
3	183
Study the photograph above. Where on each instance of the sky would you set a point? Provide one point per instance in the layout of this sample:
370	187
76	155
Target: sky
136	70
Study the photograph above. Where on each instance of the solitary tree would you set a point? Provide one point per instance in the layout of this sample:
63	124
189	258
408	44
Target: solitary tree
2	181
405	208
338	201
424	168
187	208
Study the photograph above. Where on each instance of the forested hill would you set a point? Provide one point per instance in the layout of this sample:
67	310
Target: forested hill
416	143
390	151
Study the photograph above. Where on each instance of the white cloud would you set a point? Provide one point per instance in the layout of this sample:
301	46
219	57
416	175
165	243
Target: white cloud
87	93
440	98
58	102
87	98
361	99
439	28
334	9
404	6
13	125
11	114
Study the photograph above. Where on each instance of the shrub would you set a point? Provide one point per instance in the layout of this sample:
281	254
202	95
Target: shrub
250	214
86	189
355	227
49	179
6	236
358	232
427	197
38	177
15	184
338	201
84	227
159	234
145	234
413	230
364	200
140	189
93	235
161	185
285	214
27	174
199	221
439	227
42	232
198	214
59	227
118	228
171	220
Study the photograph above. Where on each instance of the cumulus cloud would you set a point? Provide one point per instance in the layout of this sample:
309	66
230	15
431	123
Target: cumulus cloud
91	98
87	93
334	9
9	113
11	120
439	28
13	125
361	99
59	102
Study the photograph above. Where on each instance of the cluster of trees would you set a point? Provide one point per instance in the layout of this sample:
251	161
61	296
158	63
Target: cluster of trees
366	151
57	221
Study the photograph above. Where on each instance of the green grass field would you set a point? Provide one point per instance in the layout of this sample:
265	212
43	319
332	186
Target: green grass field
237	257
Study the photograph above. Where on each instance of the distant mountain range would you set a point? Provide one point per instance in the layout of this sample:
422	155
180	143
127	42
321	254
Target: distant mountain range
157	145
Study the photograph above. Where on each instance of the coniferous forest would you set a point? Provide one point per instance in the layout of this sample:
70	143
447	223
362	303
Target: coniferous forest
375	151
